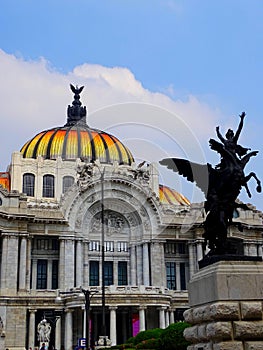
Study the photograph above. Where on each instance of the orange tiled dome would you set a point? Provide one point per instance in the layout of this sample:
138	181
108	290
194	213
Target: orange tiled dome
5	180
170	196
77	140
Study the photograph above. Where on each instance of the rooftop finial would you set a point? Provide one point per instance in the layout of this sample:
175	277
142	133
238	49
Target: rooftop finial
76	113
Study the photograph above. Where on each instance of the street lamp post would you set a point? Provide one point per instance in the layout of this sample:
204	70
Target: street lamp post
103	256
101	178
88	295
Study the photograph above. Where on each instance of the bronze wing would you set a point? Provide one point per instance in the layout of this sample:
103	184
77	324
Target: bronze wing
194	172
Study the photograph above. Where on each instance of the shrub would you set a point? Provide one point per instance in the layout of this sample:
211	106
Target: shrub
130	340
149	344
172	338
149	334
123	346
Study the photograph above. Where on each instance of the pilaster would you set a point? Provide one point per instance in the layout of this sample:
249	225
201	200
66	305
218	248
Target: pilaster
133	265
32	327
139	265
67	263
146	266
9	266
23	263
79	265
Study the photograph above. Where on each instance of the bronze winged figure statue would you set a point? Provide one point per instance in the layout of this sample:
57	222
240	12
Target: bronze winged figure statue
221	185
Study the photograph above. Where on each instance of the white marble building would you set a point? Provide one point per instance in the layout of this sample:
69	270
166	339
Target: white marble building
52	239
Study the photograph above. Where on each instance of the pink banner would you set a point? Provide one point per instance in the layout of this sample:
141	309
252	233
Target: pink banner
135	324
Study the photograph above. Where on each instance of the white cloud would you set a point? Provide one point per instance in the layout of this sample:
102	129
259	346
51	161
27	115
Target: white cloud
117	78
175	6
35	97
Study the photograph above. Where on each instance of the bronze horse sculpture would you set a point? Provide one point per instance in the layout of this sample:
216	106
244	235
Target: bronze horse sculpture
221	185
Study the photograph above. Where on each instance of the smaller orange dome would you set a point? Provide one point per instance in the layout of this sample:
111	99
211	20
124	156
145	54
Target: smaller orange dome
170	196
5	180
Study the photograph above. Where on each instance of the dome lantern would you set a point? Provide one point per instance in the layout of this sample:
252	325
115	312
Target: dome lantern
76	113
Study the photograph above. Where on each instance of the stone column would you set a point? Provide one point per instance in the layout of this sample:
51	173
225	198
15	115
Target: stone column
139	264
22	263
142	317
85	277
199	249
68	330
191	259
67	263
32	328
34	273
113	326
167	319
146	268
61	278
79	270
158	272
58	334
171	316
115	272
162	317
133	265
49	274
28	263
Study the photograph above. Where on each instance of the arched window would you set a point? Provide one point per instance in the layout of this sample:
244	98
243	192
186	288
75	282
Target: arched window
29	184
49	186
67	183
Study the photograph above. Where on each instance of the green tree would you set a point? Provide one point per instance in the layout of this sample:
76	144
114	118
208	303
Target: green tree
172	338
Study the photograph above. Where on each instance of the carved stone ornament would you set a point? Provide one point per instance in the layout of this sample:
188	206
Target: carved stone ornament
84	175
141	174
113	223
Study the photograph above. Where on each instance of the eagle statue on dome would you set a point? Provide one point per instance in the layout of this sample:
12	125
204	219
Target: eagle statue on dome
221	185
76	113
76	90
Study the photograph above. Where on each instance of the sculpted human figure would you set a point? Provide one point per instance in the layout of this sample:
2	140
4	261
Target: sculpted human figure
44	330
230	142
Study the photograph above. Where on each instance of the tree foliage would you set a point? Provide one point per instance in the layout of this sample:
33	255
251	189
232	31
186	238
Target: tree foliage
172	338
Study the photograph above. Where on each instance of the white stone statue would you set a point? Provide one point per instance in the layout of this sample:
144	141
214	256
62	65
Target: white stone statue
44	330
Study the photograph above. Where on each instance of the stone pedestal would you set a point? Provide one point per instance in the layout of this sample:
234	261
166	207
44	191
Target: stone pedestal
226	307
101	342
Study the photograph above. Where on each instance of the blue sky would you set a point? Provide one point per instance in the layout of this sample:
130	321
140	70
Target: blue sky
198	60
